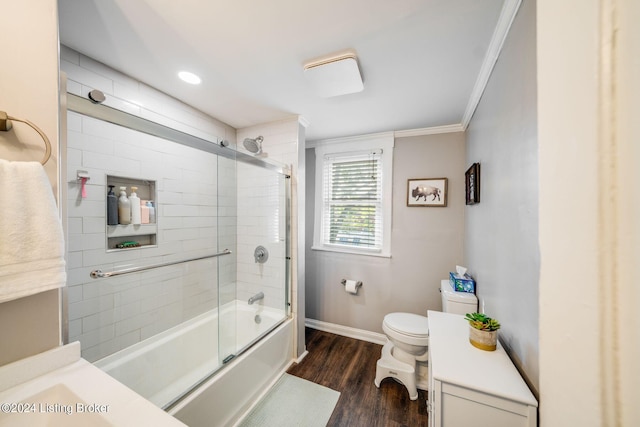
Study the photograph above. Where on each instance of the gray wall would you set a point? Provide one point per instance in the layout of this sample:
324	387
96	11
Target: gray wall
426	243
501	233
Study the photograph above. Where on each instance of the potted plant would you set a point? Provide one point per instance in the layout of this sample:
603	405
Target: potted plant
483	331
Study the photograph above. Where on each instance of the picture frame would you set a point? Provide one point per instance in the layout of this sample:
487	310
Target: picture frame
427	192
472	184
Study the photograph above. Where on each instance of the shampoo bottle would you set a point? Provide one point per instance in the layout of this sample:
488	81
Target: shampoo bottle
152	212
135	206
124	207
112	207
144	212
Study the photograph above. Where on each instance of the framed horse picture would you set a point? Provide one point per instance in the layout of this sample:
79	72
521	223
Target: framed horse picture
427	192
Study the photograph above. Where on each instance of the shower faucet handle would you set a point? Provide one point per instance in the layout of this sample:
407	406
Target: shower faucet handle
261	254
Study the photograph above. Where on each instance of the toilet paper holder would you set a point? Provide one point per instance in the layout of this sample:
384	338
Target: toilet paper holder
358	283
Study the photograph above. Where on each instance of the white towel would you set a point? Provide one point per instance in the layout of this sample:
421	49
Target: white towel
31	238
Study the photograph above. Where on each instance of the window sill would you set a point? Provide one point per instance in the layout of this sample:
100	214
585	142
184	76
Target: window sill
364	252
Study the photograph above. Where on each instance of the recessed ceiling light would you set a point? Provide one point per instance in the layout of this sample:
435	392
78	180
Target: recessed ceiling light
189	77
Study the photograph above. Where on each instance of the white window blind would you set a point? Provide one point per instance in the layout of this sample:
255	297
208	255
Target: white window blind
353	200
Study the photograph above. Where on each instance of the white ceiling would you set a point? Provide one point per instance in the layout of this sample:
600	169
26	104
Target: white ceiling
420	59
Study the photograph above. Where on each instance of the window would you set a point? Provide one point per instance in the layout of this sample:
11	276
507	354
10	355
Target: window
353	195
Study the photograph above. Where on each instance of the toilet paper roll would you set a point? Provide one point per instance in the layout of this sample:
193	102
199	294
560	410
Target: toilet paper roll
351	286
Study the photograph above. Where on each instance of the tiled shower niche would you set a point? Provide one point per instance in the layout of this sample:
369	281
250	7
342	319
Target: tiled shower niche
144	234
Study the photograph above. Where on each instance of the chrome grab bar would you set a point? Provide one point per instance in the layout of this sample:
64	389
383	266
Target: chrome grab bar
97	274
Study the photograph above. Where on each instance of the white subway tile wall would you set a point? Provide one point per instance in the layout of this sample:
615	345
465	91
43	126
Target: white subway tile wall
261	222
280	144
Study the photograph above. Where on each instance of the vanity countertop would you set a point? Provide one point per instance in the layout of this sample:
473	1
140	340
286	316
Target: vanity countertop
460	363
58	387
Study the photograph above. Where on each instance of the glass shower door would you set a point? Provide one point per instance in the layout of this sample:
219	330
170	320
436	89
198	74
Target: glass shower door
143	298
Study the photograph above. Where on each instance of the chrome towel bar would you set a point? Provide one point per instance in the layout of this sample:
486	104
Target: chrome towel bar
98	274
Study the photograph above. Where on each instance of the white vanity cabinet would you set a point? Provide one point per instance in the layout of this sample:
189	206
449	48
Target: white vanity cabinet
473	387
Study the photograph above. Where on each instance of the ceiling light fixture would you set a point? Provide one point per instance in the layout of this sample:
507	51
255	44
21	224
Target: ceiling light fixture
334	75
189	77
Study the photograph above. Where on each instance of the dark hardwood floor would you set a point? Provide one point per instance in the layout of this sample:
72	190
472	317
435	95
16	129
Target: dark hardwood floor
349	366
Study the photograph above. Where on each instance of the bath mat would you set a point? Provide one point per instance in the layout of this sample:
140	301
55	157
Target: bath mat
293	402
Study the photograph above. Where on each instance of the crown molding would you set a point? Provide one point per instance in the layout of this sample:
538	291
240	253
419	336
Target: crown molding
354	138
429	131
304	121
507	15
396	134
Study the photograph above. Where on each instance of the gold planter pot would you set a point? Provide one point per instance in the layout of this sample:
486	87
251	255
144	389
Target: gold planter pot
484	340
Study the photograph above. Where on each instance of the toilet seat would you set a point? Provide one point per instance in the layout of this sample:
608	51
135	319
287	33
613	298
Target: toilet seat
407	327
409	324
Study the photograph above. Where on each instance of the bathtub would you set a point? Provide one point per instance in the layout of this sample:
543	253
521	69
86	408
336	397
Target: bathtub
166	366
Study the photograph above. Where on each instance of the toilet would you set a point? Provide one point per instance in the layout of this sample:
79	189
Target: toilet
405	354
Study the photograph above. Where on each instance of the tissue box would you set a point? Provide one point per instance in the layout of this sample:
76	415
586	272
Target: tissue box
462	283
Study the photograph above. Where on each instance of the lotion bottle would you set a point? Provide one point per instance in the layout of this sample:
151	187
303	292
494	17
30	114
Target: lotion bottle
124	207
112	207
144	212
135	206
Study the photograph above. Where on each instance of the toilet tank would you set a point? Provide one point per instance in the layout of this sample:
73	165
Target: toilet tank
457	302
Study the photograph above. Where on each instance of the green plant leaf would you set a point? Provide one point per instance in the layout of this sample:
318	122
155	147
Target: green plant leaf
482	322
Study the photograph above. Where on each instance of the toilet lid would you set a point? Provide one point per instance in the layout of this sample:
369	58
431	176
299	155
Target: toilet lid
408	324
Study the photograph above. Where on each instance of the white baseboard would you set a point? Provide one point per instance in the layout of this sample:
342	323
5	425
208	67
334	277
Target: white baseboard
302	356
346	331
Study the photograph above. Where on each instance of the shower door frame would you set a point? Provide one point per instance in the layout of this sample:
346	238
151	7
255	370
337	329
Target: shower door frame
120	118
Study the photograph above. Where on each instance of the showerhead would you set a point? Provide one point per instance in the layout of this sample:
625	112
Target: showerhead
253	145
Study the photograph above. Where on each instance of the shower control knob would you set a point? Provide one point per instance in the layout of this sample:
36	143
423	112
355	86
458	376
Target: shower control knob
261	254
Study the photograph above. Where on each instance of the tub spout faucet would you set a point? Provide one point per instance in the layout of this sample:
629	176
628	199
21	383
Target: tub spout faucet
256	297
